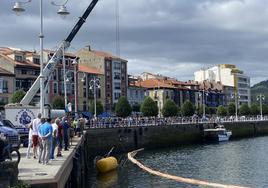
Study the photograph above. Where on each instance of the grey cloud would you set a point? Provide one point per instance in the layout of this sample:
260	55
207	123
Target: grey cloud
161	36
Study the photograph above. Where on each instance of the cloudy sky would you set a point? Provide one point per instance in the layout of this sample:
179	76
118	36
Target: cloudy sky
170	37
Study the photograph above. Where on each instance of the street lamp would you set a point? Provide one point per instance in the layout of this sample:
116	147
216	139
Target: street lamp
94	84
235	95
261	98
18	9
75	64
203	94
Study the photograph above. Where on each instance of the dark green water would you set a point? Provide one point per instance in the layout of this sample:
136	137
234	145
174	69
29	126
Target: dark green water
243	162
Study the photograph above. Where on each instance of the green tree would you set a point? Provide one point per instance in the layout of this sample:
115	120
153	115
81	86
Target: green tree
58	102
17	96
254	110
179	111
231	109
170	109
221	111
99	107
244	110
187	109
264	109
149	107
123	108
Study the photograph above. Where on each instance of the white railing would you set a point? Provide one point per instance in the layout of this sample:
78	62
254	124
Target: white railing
152	121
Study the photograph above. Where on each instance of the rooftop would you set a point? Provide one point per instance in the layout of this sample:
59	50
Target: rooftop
86	69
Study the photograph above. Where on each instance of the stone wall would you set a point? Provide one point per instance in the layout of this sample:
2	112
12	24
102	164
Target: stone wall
100	141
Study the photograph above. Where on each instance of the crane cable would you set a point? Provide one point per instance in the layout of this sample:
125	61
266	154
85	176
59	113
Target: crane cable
117	31
176	178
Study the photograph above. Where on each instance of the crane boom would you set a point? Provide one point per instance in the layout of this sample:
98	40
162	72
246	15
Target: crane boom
50	66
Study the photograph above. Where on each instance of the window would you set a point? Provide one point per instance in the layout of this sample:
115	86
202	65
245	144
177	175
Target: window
85	92
73	89
117	76
36	60
117	65
108	65
55	87
117	86
18	84
5	86
117	96
55	75
23	71
18	58
84	106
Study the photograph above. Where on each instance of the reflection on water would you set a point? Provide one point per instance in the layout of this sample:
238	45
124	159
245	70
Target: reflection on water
243	162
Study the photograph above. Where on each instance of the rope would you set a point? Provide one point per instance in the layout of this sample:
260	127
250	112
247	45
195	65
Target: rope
175	178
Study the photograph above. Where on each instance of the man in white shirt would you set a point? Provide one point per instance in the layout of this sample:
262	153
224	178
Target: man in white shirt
54	137
35	125
30	142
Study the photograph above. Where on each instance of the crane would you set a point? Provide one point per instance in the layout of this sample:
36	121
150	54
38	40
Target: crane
55	59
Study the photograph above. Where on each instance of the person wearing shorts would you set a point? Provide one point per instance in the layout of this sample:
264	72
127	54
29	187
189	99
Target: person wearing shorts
35	125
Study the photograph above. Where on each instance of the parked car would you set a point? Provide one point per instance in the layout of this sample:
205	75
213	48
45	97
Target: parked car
11	135
22	130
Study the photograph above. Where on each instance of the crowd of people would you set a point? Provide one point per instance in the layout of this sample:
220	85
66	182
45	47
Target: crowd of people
47	135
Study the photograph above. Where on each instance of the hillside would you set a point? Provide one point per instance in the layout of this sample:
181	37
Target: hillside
259	88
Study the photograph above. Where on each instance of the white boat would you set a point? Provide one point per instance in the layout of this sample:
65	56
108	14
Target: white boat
219	134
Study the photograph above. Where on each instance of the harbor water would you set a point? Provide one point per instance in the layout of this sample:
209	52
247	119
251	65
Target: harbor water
242	162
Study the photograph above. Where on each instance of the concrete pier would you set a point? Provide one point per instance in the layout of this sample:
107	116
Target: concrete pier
55	174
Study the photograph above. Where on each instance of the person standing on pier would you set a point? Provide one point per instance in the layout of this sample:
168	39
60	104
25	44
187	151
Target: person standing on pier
45	133
66	127
54	137
35	127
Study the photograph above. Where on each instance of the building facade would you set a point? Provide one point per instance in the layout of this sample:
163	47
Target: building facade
234	81
16	62
114	70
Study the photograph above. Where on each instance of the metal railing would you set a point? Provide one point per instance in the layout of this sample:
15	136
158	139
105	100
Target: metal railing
155	121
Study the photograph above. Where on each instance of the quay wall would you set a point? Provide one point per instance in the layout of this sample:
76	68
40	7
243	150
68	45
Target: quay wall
99	141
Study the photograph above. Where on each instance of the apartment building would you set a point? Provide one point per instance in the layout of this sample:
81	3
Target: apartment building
85	92
15	62
6	86
135	92
234	81
114	70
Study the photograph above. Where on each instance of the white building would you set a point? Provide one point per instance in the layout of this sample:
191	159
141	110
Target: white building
231	78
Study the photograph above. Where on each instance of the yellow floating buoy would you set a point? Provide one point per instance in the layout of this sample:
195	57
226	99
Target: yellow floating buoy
107	164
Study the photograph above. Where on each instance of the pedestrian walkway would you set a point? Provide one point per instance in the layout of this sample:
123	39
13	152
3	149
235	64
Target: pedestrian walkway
56	172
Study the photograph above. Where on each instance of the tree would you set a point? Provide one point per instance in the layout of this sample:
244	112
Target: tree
123	108
170	109
244	110
17	96
58	102
264	109
208	110
231	109
149	107
254	110
187	109
99	108
221	111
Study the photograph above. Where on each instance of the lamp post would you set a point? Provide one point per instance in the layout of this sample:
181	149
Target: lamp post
94	84
261	98
18	9
75	64
203	94
236	96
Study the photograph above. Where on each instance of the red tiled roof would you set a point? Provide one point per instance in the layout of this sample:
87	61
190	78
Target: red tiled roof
86	69
154	83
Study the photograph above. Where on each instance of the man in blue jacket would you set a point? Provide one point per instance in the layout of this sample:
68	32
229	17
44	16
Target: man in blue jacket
45	133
